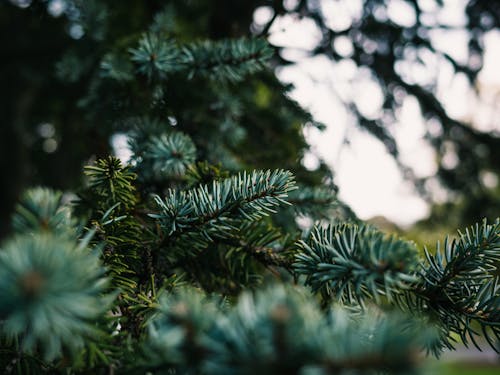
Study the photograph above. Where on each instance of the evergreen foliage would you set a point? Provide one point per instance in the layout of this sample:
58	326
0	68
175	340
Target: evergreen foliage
230	60
218	238
52	293
87	46
41	210
350	263
456	288
192	257
277	331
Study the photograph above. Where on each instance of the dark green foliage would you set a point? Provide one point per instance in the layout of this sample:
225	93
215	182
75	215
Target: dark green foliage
192	220
90	87
230	60
204	173
110	184
155	56
143	272
167	155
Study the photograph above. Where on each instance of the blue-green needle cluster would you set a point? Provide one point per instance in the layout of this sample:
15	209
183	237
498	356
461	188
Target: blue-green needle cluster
277	331
351	262
157	56
52	292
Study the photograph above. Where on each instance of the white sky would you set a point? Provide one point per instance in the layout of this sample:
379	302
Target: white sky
368	177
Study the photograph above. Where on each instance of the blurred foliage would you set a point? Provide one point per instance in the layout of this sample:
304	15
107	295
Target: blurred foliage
58	110
459	368
73	85
391	42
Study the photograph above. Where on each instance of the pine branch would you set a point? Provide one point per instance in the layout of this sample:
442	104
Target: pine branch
228	60
351	263
454	290
41	209
460	284
212	211
156	56
110	183
111	201
162	157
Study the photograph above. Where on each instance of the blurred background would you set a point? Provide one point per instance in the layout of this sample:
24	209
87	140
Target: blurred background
410	94
404	97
